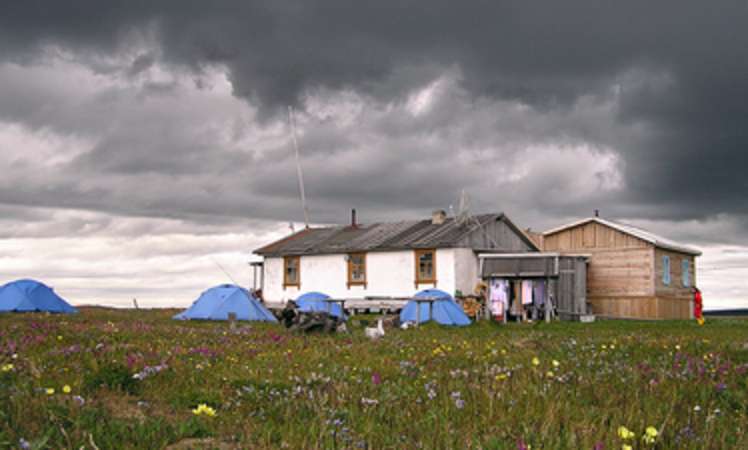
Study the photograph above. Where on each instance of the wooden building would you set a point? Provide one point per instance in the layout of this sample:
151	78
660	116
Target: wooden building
632	273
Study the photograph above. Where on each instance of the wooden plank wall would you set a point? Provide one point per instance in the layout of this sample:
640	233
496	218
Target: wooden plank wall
590	236
676	288
619	264
496	234
646	307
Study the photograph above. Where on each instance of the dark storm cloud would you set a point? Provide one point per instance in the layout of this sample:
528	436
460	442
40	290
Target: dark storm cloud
679	70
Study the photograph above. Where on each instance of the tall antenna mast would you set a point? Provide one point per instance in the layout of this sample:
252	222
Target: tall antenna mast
224	271
299	174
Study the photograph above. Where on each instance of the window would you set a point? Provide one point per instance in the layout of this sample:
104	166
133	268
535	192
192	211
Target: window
357	269
666	270
425	267
686	276
291	275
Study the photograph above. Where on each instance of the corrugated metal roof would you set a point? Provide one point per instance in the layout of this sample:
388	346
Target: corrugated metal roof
378	236
657	241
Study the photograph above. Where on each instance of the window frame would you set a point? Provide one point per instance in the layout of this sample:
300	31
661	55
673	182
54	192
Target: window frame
666	270
350	266
685	275
417	254
286	260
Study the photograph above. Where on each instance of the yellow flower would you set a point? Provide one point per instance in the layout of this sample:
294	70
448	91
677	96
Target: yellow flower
49	391
66	389
549	374
626	447
7	367
650	435
555	363
625	433
202	408
535	361
59	338
700	321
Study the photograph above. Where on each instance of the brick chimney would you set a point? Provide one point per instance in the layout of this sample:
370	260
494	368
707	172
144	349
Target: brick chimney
438	217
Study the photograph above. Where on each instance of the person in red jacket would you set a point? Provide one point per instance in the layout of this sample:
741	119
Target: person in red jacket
698	306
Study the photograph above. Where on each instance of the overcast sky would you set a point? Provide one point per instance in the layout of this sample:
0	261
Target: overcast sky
143	143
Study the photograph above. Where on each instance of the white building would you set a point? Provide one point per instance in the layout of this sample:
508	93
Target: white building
386	259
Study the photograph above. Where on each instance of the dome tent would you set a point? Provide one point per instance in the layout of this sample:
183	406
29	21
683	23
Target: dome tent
30	296
315	301
445	310
218	302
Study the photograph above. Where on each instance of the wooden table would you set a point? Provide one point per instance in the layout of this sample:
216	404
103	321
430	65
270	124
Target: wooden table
430	301
331	301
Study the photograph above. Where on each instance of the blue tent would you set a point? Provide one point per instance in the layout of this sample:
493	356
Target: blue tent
314	301
218	302
445	310
31	295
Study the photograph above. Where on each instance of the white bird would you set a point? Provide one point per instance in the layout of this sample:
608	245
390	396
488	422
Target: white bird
375	333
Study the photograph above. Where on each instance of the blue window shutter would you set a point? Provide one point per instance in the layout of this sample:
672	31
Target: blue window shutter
666	270
686	274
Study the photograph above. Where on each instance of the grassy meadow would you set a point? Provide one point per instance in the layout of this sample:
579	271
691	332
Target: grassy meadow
106	379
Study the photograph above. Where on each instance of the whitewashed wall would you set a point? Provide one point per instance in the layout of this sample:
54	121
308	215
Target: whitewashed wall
389	274
466	270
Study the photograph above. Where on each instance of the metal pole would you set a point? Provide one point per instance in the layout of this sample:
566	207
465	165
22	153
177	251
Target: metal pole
299	174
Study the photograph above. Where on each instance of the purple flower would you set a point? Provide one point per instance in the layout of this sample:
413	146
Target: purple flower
720	387
599	446
460	403
376	379
79	400
24	444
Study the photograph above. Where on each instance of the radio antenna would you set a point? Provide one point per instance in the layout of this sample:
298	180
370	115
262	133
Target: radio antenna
299	174
224	271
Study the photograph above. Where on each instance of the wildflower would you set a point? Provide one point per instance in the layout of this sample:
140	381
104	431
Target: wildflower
59	338
376	379
625	433
650	435
549	374
555	363
626	447
79	400
50	391
66	389
460	403
7	367
697	408
369	401
24	444
535	361
202	408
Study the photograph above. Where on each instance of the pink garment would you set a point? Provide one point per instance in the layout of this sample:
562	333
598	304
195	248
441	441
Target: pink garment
498	296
